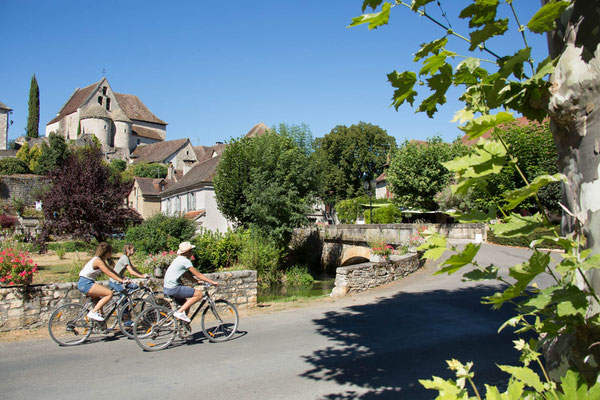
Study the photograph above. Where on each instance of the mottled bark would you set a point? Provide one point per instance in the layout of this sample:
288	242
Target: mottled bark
574	109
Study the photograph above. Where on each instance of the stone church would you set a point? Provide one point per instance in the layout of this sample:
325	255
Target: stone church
119	121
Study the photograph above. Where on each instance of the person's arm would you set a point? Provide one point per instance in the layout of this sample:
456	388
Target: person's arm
99	263
133	271
201	277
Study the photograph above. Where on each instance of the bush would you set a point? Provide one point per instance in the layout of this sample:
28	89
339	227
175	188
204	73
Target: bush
16	267
262	255
160	233
7	221
298	275
348	210
72	246
389	214
11	166
524	241
160	260
149	170
218	251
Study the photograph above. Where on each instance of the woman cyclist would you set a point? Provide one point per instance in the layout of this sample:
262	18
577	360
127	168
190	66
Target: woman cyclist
124	264
87	279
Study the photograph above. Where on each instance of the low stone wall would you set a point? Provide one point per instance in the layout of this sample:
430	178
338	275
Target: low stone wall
31	307
360	277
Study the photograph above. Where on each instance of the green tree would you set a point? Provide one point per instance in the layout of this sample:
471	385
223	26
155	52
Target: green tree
33	118
160	233
348	155
13	165
416	173
51	156
266	182
149	170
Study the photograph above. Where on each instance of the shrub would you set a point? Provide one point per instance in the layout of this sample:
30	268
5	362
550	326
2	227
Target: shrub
262	255
524	241
160	260
11	166
389	214
72	246
218	251
7	221
348	210
160	232
16	267
60	252
298	275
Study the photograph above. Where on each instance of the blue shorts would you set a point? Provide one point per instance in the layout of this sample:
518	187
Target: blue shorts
180	292
85	284
117	287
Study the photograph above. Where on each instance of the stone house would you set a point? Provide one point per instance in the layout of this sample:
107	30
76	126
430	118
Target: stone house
194	197
118	120
145	195
180	154
4	122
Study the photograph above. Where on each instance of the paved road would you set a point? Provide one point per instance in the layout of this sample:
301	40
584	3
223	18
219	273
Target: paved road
374	345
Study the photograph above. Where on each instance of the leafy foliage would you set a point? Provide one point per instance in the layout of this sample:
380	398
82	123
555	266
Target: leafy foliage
266	182
84	201
388	214
149	170
33	117
160	233
349	210
417	172
215	250
349	155
12	165
50	156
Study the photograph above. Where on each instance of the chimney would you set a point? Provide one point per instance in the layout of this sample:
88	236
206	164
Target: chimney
171	171
187	165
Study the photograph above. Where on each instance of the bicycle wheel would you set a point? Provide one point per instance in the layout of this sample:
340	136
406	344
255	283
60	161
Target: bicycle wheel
154	329
129	312
69	325
219	323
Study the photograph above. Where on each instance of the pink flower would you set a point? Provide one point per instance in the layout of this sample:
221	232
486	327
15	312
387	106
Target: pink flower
2	279
164	253
22	273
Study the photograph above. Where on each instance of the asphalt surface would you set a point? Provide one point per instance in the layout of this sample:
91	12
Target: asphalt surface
374	345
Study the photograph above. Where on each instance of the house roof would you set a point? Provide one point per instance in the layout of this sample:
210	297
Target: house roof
257	130
204	153
381	178
4	107
151	186
146	132
200	173
131	105
193	215
157	152
94	110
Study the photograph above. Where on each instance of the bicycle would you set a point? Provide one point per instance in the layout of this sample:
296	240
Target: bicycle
155	328
69	324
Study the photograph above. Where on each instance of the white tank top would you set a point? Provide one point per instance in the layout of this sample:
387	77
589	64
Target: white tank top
88	270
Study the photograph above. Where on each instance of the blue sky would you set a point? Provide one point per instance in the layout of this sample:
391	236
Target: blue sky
212	70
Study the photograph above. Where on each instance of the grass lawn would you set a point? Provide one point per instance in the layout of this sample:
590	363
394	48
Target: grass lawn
52	269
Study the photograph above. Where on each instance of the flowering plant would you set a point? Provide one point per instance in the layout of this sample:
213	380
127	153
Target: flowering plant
382	249
417	239
16	267
161	260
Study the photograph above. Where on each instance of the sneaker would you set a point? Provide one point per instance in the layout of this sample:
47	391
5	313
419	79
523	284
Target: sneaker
181	316
95	316
128	324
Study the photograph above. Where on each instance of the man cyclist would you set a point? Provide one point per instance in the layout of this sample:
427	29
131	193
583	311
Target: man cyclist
182	265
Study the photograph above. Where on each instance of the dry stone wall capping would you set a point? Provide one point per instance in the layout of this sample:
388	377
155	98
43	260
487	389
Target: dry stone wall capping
31	307
361	277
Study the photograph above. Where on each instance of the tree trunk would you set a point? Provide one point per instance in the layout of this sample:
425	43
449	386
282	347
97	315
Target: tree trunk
574	109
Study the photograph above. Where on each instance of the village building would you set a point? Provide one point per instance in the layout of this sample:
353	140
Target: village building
180	154
145	195
119	121
4	122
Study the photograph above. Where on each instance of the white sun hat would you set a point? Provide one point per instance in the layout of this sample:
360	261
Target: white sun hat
185	246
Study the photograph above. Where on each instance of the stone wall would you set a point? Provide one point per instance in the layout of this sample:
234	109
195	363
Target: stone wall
22	186
31	307
360	277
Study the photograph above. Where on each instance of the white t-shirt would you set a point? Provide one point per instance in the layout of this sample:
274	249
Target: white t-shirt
88	270
177	268
121	266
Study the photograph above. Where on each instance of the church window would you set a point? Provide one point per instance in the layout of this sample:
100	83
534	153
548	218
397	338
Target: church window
108	104
104	89
100	100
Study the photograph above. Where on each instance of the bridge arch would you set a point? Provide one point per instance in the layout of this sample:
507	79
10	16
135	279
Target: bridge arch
355	255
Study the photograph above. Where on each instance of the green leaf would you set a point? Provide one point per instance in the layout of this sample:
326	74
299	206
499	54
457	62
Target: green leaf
514	64
432	64
480	13
418	3
545	19
440	84
457	261
515	197
526	272
474	216
371	3
463	115
591	263
571	301
481	125
489	30
468	72
447	389
431	47
542	299
518	225
374	20
525	375
434	247
488	273
492	393
404	84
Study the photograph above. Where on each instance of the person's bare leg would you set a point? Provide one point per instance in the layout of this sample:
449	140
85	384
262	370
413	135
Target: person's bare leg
191	301
102	292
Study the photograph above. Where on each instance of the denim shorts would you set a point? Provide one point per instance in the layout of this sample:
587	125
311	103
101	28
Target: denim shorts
182	292
117	287
85	284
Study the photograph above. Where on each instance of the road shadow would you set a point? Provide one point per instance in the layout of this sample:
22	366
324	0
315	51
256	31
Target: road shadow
387	346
